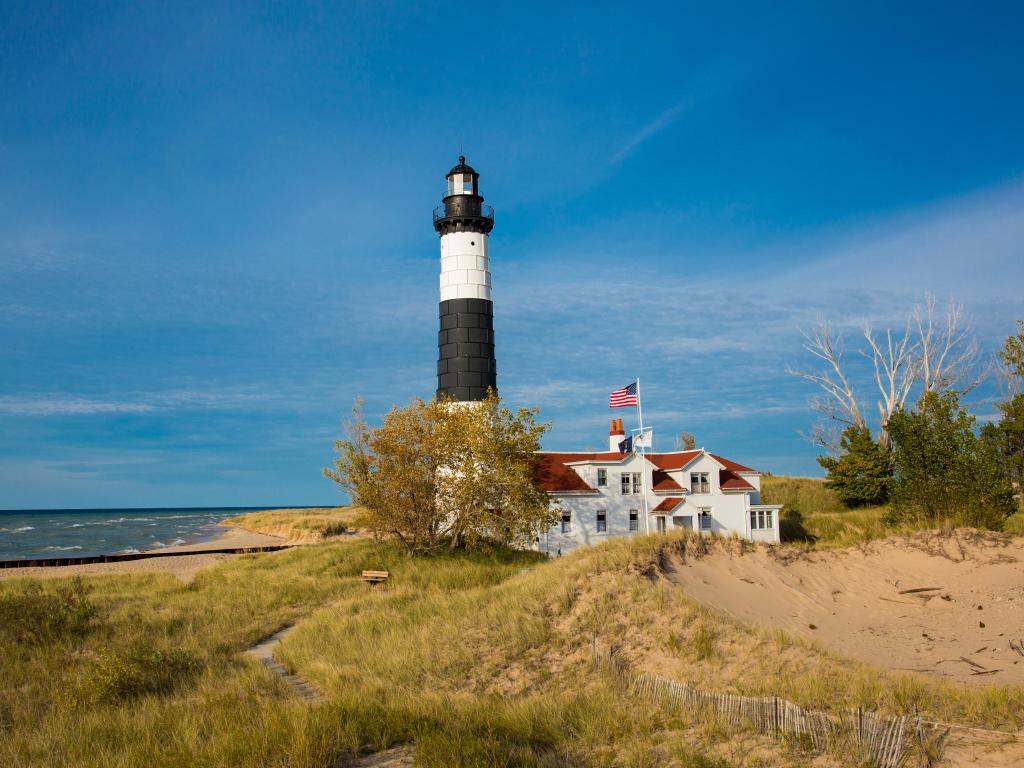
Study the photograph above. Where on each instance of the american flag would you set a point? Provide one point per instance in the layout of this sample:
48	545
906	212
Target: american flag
621	398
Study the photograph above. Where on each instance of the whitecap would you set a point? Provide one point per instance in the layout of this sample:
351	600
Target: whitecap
60	549
176	542
19	530
129	551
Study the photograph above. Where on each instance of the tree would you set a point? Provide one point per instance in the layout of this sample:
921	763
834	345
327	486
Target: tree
939	355
1007	435
685	441
862	473
441	473
944	475
1006	438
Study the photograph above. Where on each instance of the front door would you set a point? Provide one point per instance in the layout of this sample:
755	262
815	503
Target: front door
661	523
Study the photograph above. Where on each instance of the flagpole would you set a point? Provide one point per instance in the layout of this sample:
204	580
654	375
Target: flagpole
643	474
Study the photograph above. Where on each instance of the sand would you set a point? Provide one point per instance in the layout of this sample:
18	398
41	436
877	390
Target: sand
194	557
856	602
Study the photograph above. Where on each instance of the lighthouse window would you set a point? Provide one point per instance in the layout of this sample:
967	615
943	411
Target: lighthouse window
451	185
467	183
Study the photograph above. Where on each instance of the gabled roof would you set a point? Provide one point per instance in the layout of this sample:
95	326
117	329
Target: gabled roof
662	481
732	466
730	481
667	505
553	476
671	461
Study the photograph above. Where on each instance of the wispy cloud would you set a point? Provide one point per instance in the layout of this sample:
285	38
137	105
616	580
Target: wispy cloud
660	123
64	406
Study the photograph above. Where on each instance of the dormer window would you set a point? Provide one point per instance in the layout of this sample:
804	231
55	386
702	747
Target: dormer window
700	482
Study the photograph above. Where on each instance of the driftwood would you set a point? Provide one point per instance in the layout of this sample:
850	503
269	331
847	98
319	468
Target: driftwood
1017	646
972	663
919	589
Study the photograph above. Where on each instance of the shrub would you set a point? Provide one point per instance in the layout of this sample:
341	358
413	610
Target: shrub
944	474
35	616
122	675
861	475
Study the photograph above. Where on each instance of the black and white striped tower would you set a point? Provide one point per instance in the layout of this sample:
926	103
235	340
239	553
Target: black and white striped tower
465	361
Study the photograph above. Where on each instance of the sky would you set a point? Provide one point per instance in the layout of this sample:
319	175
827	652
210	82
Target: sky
215	225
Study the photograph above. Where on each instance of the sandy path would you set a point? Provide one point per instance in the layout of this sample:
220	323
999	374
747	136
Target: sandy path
853	600
193	559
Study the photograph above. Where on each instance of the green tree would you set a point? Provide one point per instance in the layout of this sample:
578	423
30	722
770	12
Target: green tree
441	473
1012	353
1006	438
862	472
944	474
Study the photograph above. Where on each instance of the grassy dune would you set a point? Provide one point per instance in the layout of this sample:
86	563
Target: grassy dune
813	513
480	659
306	525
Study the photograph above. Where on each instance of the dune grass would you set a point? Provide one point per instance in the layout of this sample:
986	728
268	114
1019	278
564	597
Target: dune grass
314	524
479	659
814	514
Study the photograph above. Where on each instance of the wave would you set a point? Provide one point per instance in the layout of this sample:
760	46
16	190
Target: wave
18	530
60	549
128	551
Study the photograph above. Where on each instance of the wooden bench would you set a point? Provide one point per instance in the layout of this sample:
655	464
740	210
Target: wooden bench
375	577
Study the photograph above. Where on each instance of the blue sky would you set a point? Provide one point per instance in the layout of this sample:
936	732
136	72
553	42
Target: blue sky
215	220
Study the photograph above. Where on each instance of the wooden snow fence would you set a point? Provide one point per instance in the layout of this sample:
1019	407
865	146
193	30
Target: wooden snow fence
881	740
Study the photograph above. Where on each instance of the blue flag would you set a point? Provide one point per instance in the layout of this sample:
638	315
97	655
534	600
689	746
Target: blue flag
626	446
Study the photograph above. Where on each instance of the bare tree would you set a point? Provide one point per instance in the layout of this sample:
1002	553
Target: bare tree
839	405
895	372
942	355
949	356
685	441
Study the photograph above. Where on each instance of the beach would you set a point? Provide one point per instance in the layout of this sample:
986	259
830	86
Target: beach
193	558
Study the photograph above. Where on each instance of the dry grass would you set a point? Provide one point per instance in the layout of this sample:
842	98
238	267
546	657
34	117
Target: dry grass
302	525
478	659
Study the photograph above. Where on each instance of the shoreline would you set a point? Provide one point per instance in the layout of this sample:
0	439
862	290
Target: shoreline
182	561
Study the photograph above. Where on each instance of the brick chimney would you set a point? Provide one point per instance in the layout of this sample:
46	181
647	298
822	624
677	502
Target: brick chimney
616	435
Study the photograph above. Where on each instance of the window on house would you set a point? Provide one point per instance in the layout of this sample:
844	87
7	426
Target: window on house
602	521
700	482
566	521
631	484
705	518
634	520
761	520
636	483
602	478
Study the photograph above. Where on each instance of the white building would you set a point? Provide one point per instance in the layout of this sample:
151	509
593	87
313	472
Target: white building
628	494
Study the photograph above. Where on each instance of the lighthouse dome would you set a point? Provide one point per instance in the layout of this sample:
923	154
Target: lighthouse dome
462	179
462	168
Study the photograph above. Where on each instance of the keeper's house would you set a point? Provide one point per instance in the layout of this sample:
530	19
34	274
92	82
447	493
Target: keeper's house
603	494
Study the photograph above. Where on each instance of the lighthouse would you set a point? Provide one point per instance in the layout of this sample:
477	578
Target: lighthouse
465	342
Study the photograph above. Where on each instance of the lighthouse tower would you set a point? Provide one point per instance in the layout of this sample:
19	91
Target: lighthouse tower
465	360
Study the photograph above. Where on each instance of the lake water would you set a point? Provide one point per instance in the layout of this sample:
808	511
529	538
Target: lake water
34	534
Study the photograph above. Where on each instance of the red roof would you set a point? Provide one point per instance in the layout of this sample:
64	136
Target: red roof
551	474
663	482
672	460
730	481
733	466
667	505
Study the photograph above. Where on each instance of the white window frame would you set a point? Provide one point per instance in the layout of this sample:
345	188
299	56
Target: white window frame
602	478
631	483
566	521
700	482
704	513
762	520
634	519
601	524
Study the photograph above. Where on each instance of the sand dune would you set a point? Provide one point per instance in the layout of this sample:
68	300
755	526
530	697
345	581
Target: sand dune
945	604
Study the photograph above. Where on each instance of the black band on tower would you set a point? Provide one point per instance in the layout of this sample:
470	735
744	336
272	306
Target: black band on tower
465	361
